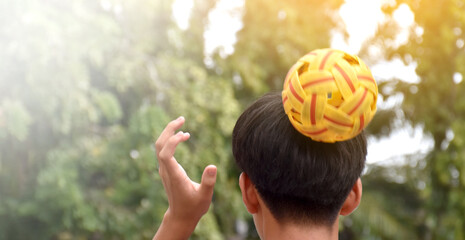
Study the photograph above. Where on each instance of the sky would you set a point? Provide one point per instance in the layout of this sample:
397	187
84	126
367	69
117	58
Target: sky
360	27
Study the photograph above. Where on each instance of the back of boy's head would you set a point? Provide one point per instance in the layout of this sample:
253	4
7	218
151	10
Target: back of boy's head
300	180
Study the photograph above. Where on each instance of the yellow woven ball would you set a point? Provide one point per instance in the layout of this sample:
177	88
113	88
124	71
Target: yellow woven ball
330	95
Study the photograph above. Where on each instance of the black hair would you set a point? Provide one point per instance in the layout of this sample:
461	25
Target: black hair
300	180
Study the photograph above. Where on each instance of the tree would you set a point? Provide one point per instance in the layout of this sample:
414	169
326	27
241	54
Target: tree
85	87
436	45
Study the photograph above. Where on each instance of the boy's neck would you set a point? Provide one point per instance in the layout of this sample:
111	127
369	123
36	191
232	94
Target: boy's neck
271	229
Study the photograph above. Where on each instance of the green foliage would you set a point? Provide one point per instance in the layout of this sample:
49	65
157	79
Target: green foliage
83	95
108	106
436	104
16	120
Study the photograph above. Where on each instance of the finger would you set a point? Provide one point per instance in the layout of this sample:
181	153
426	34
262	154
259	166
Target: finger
208	181
182	169
168	132
166	156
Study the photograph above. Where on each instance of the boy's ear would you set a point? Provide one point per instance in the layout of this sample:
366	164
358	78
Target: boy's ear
353	199
249	193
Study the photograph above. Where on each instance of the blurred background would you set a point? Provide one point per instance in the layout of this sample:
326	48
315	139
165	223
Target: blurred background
86	86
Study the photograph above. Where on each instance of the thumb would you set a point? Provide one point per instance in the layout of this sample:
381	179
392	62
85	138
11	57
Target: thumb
208	180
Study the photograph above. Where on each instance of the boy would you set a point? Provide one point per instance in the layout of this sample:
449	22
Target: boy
294	187
301	153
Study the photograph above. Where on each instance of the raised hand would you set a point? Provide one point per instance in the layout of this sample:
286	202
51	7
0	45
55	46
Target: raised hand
188	200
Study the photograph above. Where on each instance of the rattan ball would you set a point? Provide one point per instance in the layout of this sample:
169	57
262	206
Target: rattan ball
330	95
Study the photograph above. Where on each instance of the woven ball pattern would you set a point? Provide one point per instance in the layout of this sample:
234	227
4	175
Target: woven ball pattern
330	95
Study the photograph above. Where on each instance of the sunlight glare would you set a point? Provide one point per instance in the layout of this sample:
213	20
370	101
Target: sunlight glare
181	12
457	78
404	16
361	18
223	23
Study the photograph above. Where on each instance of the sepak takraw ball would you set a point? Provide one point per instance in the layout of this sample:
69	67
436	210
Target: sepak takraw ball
329	95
